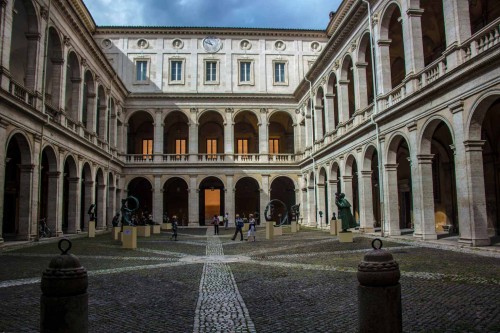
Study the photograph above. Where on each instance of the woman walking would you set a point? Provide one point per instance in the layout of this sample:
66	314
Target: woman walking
252	227
215	222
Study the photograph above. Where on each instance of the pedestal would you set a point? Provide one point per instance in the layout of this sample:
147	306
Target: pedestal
339	226
156	229
129	237
278	231
116	233
345	237
143	231
91	229
245	227
333	228
293	226
269	229
166	226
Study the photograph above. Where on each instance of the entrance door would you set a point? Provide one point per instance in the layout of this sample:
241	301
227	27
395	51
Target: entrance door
212	204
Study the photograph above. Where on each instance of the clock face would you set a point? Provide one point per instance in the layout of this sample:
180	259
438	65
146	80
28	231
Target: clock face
212	44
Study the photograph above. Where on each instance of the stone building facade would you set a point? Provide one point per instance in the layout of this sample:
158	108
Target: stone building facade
395	104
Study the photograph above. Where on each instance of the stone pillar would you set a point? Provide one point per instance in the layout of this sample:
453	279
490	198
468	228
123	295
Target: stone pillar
361	85
415	181
119	137
157	209
311	203
347	189
91	111
88	200
229	138
263	136
33	45
392	200
331	197
6	14
74	205
28	204
457	29
321	205
158	136
111	206
343	101
101	207
264	195
125	139
367	219
112	130
194	201
229	204
383	67
308	131
3	153
54	219
297	137
425	199
193	142
330	112
412	37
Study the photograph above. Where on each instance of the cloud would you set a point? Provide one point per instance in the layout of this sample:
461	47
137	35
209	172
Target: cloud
300	14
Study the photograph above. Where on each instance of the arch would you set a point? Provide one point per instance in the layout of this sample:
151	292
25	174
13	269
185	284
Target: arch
101	113
332	90
323	197
347	76
88	100
351	187
368	153
140	136
49	187
53	68
365	72
73	84
86	194
247	197
370	184
24	145
428	130
478	112
208	112
237	113
176	134
70	197
394	142
142	189
319	111
246	133
176	198
433	30
349	162
281	133
211	199
211	134
283	188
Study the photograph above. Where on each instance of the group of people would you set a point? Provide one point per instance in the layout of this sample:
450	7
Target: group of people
239	223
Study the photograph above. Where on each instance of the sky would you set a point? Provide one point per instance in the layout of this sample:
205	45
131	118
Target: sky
289	14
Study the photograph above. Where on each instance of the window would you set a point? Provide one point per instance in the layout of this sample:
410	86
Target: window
212	148
141	70
246	72
274	146
211	72
180	147
242	146
147	148
176	71
280	72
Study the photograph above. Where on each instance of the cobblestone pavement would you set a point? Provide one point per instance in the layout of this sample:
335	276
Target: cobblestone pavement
303	282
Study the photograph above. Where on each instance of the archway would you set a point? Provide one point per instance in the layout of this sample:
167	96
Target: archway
17	190
102	114
347	84
351	189
323	198
176	135
433	32
211	135
246	135
319	112
283	189
392	48
370	196
247	197
100	199
332	96
88	102
281	134
49	188
140	136
54	68
211	199
72	91
86	195
142	189
365	72
176	199
70	196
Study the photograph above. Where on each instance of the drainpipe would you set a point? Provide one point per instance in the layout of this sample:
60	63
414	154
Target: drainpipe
375	112
312	151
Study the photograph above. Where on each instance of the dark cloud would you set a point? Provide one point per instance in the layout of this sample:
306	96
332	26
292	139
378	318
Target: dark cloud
300	14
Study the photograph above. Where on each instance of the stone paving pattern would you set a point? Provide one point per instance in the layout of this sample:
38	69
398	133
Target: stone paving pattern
302	282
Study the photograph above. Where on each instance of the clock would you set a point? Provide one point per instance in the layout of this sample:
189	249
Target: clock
211	44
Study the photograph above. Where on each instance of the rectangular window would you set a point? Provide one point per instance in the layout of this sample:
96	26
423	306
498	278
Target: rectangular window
147	148
274	146
176	71
141	70
279	72
242	146
211	71
245	71
180	146
212	148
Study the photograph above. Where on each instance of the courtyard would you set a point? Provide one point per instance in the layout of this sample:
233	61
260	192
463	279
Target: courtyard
300	282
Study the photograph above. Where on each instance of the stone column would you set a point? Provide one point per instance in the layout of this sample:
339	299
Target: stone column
112	131
264	195
119	138
457	29
28	203
367	219
263	136
308	131
158	209
125	139
331	197
392	200
111	205
413	45
318	115
311	210
330	112
33	45
74	205
101	207
158	136
6	14
229	137
3	164
194	201
88	200
415	181
383	67
54	202
193	142
297	138
347	189
425	199
91	112
362	85
229	204
343	101
321	205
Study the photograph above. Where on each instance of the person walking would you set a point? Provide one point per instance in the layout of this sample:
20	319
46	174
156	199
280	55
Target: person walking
239	226
252	228
215	222
226	221
174	227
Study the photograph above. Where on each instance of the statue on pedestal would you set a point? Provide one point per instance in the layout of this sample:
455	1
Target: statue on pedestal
127	211
344	211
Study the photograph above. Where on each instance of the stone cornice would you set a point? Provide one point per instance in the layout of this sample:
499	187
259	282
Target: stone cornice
339	16
204	97
84	15
135	30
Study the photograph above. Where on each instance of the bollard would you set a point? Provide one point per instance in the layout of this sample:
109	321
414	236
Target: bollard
379	292
64	300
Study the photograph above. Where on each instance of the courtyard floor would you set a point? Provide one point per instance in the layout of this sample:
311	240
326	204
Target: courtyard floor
301	282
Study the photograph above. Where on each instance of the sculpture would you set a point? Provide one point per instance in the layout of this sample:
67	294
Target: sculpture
116	219
276	210
344	211
127	211
91	213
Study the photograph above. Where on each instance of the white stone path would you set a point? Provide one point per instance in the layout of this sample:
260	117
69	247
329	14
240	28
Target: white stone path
220	307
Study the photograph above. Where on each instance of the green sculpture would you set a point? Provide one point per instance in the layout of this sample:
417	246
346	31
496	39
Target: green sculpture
127	211
344	211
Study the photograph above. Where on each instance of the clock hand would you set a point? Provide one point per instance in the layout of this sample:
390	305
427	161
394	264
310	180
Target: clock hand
209	42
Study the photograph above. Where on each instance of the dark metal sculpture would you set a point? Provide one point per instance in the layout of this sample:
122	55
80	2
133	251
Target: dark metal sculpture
277	211
344	211
127	211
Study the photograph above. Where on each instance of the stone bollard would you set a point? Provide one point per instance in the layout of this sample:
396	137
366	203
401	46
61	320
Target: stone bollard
64	301
379	292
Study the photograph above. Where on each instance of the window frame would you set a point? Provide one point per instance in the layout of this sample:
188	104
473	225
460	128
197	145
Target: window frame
285	72
148	144
171	61
251	80
276	142
206	62
148	66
